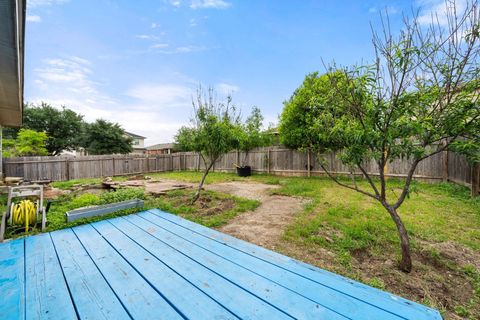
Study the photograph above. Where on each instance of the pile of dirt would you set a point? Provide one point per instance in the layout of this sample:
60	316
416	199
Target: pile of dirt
53	193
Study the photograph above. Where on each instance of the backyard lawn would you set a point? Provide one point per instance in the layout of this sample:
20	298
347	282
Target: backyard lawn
338	230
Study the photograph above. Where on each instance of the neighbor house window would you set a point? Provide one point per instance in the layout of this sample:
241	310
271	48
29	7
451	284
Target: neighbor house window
136	142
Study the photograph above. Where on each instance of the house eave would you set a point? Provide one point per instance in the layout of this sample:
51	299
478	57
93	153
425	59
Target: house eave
12	39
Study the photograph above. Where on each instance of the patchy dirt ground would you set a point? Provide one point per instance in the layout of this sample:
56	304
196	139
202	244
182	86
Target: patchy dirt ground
265	225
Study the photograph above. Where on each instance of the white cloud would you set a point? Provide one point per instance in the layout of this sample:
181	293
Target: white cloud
159	45
436	10
34	18
162	95
391	10
39	3
180	49
209	4
146	36
226	88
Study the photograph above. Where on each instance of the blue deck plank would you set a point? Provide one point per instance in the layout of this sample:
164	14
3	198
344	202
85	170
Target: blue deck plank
240	302
380	299
47	295
12	280
294	304
231	260
138	297
187	298
93	297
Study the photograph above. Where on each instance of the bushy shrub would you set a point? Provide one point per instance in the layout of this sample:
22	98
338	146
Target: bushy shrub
122	195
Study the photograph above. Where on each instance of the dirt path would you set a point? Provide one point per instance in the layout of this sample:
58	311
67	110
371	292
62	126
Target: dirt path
265	225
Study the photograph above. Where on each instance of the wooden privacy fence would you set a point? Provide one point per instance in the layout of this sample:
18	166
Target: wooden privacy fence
445	166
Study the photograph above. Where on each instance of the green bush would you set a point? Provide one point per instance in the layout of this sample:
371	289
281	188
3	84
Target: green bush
121	195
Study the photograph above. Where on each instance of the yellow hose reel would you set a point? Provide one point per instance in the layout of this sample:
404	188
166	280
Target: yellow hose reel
24	213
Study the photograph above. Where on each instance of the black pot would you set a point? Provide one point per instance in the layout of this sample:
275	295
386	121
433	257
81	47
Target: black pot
244	171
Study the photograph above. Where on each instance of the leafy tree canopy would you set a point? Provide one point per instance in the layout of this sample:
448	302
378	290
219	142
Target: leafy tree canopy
61	126
251	135
27	143
104	137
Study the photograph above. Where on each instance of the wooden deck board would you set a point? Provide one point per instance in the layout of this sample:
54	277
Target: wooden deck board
47	294
228	294
12	280
138	297
188	299
154	265
90	292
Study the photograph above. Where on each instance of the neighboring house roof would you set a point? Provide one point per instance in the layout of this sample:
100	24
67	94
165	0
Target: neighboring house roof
161	146
12	39
133	135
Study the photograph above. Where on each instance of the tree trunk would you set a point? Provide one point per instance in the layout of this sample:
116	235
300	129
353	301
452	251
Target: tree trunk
200	185
406	262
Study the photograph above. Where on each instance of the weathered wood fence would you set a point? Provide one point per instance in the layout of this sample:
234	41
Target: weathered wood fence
446	166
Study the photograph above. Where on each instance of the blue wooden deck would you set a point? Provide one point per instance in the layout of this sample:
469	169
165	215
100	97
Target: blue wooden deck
154	265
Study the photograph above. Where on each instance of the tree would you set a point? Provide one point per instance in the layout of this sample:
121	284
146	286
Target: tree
212	131
417	99
27	143
62	126
250	134
104	137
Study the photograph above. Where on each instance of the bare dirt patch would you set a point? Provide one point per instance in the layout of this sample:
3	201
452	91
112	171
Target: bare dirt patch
265	225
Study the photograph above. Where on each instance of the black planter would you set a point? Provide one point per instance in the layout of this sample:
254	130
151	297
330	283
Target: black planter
244	171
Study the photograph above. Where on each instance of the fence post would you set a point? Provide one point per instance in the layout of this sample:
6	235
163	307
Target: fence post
475	179
445	166
268	161
308	162
67	165
113	166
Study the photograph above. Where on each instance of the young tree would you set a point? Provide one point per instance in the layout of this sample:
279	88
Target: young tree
62	126
212	131
250	134
27	143
104	137
420	96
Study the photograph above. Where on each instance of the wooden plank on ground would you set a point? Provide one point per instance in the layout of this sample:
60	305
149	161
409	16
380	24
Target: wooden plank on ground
188	299
231	261
47	295
353	289
281	297
93	297
242	303
137	296
12	280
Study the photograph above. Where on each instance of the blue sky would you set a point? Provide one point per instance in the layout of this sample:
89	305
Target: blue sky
139	62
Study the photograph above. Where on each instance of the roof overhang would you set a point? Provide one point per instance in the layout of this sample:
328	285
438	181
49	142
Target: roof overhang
12	39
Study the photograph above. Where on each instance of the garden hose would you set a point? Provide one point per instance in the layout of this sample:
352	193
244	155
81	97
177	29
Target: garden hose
24	213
